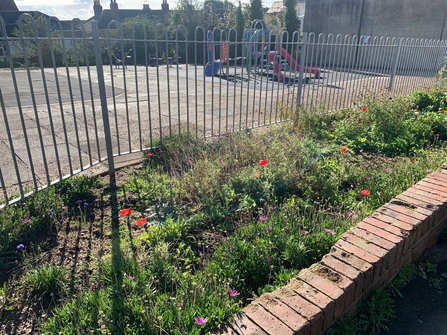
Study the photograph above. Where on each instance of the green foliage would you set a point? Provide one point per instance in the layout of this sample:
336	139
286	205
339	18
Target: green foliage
46	280
291	20
256	10
429	101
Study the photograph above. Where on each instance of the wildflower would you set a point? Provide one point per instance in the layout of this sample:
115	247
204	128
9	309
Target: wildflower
79	202
366	165
388	170
65	215
364	109
126	212
50	213
61	221
269	259
304	232
150	154
329	231
263	162
20	247
141	222
200	321
367	178
180	304
233	293
263	218
257	174
428	171
269	228
25	220
364	193
349	214
131	277
85	204
344	150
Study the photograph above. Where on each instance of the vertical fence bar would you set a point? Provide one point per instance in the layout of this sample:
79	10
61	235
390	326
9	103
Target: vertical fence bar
395	62
301	75
5	194
102	95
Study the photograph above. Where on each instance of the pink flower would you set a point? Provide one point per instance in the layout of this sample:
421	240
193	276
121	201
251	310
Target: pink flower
304	232
388	170
26	221
269	259
428	171
131	277
257	174
200	321
180	304
330	232
269	228
233	293
263	218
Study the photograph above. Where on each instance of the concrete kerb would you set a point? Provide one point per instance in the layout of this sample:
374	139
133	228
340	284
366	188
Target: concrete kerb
365	258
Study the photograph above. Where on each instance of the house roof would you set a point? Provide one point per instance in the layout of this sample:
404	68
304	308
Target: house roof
8	5
106	15
278	7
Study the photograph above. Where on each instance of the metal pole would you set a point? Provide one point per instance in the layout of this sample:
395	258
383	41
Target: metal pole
102	95
395	61
301	75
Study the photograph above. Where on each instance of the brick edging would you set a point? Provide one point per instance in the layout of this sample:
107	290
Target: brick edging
366	257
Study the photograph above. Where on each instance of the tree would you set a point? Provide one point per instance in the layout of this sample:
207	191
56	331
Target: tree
256	10
291	20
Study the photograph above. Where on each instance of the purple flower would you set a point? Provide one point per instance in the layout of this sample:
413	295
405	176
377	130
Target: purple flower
50	213
428	170
263	218
200	321
180	304
131	277
269	228
85	204
349	214
25	220
330	232
233	293
79	202
65	215
304	232
20	247
367	178
61	221
388	170
269	259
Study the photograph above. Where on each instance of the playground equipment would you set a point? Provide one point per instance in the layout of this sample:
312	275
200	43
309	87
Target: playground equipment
118	61
212	67
258	49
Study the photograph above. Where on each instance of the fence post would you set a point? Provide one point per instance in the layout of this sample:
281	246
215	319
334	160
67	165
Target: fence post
301	75
395	61
102	95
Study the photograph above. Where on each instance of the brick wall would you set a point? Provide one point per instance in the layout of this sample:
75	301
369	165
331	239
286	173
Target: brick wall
365	258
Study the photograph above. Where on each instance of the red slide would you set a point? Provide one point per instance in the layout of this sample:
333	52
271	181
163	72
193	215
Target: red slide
296	66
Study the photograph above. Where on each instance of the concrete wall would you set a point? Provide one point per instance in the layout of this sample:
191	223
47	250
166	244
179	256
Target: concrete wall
395	18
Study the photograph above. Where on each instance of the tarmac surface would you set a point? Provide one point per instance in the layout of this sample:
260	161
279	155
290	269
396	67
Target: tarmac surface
423	308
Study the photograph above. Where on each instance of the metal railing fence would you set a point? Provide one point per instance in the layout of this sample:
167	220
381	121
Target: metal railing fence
71	99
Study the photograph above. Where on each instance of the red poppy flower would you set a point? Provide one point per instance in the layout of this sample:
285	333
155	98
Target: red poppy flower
126	212
263	162
141	222
150	154
364	193
364	109
344	150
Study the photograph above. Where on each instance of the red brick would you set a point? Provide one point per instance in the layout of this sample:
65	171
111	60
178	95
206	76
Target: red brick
397	240
350	272
402	220
322	301
410	210
366	268
242	325
382	255
355	306
419	248
269	323
284	313
325	286
436	179
309	311
438	175
380	242
412	232
431	183
433	190
436	212
338	279
437	200
424	198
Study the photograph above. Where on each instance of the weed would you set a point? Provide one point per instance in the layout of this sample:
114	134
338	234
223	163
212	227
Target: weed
46	280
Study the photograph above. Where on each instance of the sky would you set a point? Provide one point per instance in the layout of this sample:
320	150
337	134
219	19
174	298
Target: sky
83	9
